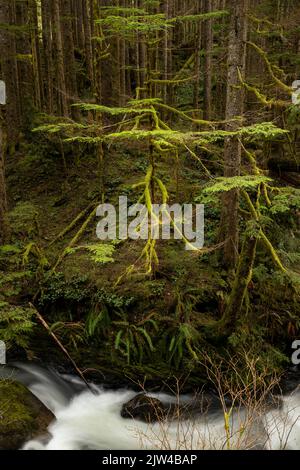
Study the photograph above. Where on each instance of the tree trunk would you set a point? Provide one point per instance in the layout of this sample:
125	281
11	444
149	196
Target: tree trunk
234	109
3	200
36	56
242	279
197	60
208	34
47	49
69	57
4	50
25	70
61	81
87	14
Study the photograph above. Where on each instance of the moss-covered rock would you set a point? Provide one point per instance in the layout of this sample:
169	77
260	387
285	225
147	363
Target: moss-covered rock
22	415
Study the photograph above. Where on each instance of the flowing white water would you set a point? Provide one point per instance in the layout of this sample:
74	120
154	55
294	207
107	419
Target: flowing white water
86	420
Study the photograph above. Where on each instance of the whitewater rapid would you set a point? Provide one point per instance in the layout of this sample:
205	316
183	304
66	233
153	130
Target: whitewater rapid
91	419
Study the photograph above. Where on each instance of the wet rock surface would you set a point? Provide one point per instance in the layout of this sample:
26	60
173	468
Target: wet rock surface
144	408
22	415
149	410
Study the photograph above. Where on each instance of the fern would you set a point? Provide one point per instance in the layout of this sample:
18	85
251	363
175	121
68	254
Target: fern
227	184
97	322
8	278
102	253
134	341
285	201
16	325
72	333
24	219
184	339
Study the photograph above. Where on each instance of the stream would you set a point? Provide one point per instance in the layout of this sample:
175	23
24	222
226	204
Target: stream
91	419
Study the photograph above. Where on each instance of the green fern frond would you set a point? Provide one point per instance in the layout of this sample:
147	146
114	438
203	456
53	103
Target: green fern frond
223	184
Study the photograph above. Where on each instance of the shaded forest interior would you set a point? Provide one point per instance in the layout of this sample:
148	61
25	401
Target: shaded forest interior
163	102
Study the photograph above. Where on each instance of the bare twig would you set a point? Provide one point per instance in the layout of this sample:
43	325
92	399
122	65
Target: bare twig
61	346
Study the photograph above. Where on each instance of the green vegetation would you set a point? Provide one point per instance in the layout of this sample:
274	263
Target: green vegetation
132	101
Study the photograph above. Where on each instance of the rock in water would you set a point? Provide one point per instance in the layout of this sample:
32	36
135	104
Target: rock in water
22	415
150	409
144	408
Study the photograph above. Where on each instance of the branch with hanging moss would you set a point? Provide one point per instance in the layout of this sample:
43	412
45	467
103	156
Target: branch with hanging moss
257	171
73	224
32	248
187	64
74	239
199	17
143	23
163	125
112	111
265	130
253	211
59	127
277	28
165	197
272	251
148	252
271	68
186	116
117	10
262	98
173	81
266	195
262	235
251	159
198	159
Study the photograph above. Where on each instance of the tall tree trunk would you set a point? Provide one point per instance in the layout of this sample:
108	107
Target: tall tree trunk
61	80
79	30
239	290
208	34
69	56
142	55
87	9
4	51
25	70
123	71
167	57
234	109
3	200
197	59
47	50
36	56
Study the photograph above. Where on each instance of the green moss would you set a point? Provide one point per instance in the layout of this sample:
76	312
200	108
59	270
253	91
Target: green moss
18	417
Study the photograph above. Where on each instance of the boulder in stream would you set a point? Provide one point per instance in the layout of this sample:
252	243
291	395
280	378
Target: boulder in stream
145	408
150	410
